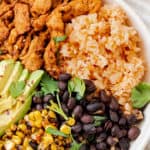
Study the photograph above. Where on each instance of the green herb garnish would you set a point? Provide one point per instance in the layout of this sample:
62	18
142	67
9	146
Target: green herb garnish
55	132
76	85
48	85
140	95
75	145
56	107
38	93
59	39
98	120
16	88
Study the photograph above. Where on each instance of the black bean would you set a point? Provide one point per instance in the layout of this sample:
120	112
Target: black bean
124	144
117	148
101	138
64	107
33	145
77	111
37	100
99	129
84	103
122	121
65	96
93	107
62	85
115	130
104	97
133	133
71	103
108	125
64	77
131	119
84	147
111	141
87	118
45	105
122	133
101	146
92	147
47	98
114	104
77	127
89	128
90	86
113	116
39	107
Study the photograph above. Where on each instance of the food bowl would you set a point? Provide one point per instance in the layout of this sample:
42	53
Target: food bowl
143	139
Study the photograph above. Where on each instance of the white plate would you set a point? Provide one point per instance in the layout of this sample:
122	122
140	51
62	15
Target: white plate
144	137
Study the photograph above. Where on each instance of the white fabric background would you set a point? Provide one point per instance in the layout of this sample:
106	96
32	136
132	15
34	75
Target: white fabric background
142	8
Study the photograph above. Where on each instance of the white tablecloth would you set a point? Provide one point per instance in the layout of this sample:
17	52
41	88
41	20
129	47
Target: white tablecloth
142	8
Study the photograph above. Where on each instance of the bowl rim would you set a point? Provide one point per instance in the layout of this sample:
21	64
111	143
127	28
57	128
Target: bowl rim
141	142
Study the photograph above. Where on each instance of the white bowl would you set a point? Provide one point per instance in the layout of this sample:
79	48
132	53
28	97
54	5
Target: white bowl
144	138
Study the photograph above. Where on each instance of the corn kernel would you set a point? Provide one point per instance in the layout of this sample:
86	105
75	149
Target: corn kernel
51	126
16	139
53	147
22	127
37	115
52	114
44	112
26	142
31	116
1	144
20	134
70	121
65	129
29	148
47	138
38	124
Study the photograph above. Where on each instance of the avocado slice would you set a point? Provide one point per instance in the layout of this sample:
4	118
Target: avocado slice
17	70
7	102
23	102
24	76
6	67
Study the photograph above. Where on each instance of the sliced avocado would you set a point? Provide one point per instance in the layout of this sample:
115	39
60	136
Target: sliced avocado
6	67
23	102
7	102
24	76
14	115
13	77
33	81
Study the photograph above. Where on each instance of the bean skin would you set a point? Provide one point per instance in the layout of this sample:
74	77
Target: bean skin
77	127
87	119
133	133
90	86
64	77
114	104
77	111
93	107
104	97
65	96
62	85
71	103
113	116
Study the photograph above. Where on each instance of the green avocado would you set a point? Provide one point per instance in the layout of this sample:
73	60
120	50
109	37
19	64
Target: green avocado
13	109
6	68
17	70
